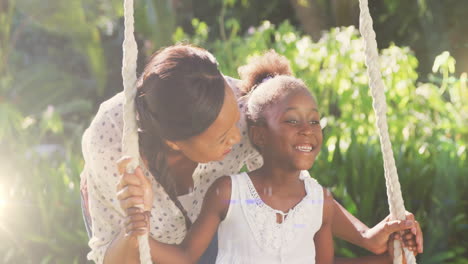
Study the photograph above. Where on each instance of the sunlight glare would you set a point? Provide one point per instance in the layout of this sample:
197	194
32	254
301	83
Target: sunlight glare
3	201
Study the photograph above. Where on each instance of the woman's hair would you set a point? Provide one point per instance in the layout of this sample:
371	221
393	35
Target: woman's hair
179	95
265	80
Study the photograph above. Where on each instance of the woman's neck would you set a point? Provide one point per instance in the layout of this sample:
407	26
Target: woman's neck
181	169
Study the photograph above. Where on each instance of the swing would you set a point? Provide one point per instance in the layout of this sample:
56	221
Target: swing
130	136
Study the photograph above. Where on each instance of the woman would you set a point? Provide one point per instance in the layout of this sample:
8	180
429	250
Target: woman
192	131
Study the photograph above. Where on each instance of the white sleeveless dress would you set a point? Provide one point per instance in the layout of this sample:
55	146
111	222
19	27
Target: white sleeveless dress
250	232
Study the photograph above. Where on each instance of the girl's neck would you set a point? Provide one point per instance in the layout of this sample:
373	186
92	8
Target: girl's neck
277	176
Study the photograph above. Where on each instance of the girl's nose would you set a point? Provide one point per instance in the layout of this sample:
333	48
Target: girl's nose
306	129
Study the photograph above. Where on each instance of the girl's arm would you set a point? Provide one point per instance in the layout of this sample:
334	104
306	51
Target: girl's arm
214	209
324	239
349	228
382	259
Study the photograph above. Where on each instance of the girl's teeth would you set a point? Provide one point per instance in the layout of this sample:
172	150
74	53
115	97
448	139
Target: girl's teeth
304	148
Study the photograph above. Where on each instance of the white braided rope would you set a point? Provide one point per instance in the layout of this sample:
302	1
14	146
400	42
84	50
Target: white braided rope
130	134
395	199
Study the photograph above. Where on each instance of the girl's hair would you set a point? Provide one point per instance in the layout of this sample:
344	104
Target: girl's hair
179	95
265	80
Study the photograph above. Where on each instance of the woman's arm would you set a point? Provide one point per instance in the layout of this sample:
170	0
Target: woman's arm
132	190
123	250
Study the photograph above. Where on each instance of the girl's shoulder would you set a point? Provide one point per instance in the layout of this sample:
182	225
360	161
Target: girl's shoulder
311	183
218	196
221	187
225	185
328	205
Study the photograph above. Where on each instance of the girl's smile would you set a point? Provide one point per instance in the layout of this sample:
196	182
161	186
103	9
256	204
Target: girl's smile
304	148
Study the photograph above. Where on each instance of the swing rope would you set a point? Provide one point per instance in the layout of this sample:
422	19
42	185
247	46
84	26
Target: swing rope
130	134
395	199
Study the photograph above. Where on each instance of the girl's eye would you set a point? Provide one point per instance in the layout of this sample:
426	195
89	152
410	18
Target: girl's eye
292	121
314	122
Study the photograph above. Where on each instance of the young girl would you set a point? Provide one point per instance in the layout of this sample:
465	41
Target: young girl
277	213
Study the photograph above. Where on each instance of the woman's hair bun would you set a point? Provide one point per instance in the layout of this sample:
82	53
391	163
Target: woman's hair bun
263	67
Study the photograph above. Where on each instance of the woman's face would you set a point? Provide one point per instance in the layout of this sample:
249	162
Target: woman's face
217	140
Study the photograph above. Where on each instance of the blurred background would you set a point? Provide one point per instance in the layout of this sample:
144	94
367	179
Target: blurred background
60	59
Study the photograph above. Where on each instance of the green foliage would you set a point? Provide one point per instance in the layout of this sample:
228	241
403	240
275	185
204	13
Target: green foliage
40	217
40	159
427	125
155	20
69	20
39	182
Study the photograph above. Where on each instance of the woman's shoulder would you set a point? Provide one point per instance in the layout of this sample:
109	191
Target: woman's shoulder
112	108
105	131
109	114
235	85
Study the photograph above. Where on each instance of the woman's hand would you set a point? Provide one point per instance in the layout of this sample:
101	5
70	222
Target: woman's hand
408	231
134	190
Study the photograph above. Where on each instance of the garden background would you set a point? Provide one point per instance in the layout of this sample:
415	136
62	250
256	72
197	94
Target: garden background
60	59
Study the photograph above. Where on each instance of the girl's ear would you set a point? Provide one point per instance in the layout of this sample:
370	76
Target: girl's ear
172	144
257	135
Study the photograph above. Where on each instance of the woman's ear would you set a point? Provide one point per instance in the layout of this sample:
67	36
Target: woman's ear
257	135
172	145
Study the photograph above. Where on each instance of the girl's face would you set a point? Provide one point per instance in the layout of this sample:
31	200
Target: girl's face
292	135
217	140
